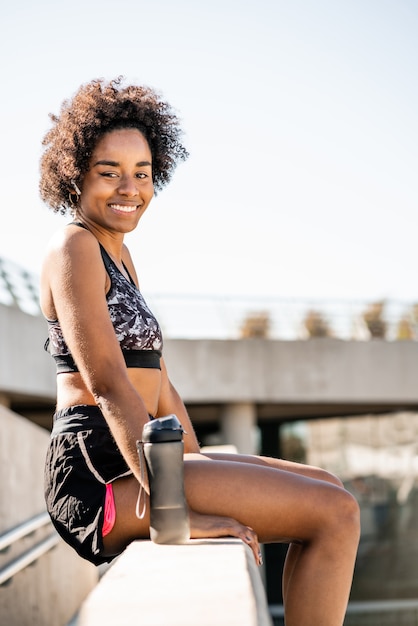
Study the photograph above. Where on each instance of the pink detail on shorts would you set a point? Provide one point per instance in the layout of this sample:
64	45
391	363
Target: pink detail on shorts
109	511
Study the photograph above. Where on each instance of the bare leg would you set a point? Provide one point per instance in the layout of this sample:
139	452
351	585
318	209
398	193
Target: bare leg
288	466
281	502
128	527
285	505
295	549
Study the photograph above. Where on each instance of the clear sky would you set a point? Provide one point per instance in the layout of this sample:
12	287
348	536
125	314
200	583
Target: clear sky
301	118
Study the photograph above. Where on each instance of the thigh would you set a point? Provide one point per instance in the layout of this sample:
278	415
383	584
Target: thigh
281	501
289	466
279	504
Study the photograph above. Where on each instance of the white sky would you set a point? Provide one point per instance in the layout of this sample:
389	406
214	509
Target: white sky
300	117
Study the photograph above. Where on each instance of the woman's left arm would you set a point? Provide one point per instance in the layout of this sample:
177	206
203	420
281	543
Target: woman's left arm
170	402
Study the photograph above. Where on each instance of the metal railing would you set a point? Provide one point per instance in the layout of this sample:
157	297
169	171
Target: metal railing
392	608
194	316
18	287
221	317
30	556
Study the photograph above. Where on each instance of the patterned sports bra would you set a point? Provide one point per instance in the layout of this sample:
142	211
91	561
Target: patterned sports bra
136	328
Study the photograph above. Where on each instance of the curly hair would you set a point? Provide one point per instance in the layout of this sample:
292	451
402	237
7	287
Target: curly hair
99	107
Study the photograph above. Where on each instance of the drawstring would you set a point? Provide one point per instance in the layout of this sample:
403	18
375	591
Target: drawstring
141	495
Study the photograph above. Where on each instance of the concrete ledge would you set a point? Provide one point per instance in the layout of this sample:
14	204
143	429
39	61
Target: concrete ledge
206	583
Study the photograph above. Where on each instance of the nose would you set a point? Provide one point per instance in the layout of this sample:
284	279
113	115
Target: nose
128	186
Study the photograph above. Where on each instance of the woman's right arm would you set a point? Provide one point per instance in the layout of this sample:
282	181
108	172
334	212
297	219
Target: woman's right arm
76	276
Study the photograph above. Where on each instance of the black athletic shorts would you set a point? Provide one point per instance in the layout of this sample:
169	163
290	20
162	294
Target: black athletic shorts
82	457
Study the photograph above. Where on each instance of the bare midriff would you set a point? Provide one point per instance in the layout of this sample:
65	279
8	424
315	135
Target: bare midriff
72	391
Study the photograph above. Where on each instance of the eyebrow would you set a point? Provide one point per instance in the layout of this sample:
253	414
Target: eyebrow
116	164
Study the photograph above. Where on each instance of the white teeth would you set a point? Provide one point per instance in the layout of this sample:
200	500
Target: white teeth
124	209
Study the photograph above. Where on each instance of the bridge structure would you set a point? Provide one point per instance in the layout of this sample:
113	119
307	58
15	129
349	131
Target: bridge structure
231	386
217	366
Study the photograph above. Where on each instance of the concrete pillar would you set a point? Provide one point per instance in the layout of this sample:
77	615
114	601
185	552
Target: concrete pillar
239	426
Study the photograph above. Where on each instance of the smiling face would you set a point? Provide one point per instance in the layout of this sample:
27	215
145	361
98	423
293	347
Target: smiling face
118	186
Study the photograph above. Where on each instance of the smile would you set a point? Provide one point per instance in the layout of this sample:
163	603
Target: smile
123	208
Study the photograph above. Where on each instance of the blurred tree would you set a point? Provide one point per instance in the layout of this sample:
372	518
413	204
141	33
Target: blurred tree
316	325
373	318
256	325
293	448
404	329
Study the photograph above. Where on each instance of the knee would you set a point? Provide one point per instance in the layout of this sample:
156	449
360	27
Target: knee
348	514
340	514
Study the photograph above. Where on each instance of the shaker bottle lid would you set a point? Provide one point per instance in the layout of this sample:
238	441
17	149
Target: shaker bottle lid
162	429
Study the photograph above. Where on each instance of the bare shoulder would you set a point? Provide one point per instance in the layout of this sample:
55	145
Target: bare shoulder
72	262
72	248
71	241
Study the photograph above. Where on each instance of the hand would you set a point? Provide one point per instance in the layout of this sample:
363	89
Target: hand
211	526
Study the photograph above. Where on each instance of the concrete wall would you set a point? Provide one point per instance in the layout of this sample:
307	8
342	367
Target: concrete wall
212	582
25	368
50	591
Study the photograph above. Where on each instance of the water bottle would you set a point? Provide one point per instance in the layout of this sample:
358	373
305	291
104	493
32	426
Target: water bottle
162	440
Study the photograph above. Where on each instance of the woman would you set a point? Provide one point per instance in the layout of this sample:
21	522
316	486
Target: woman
106	153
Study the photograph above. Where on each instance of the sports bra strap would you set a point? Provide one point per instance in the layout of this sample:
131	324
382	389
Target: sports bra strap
110	265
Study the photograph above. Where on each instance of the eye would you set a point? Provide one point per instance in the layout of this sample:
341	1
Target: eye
108	174
141	175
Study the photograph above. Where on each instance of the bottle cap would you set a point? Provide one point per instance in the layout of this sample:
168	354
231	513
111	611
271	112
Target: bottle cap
162	429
